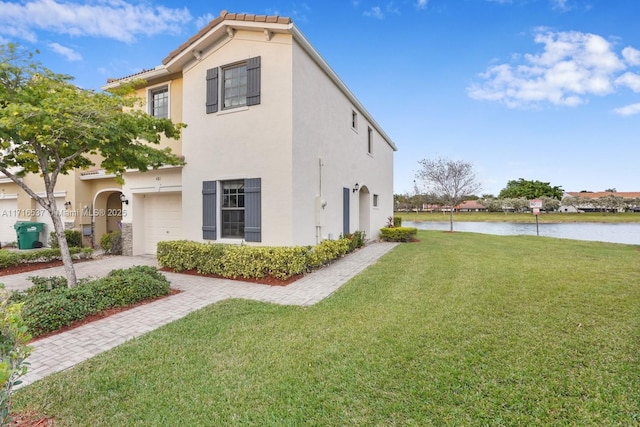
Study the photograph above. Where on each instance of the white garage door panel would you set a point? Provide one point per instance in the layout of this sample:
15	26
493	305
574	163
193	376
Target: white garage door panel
8	217
162	219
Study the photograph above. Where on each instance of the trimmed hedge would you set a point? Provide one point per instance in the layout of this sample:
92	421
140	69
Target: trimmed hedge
50	305
252	262
398	234
13	258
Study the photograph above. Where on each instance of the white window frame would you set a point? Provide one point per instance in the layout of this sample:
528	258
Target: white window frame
150	93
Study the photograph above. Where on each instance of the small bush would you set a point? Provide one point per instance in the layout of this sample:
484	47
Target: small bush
13	352
9	259
50	305
397	221
356	239
111	243
398	234
13	258
74	239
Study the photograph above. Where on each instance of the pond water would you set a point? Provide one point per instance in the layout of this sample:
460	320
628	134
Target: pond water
613	233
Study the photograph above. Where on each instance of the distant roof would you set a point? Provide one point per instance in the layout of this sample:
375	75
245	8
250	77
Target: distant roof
598	194
470	204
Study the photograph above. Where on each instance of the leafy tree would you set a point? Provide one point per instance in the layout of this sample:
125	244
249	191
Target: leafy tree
450	180
610	190
530	190
48	126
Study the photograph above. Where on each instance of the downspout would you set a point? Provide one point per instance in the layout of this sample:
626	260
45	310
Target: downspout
319	203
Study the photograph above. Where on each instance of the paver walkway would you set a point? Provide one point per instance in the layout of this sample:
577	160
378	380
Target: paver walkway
67	349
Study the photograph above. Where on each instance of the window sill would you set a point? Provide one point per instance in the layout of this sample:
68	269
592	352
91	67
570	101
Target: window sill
232	110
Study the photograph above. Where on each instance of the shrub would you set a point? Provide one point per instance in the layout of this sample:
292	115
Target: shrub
9	259
13	258
50	305
126	287
244	261
74	239
397	221
111	243
356	239
398	234
326	251
13	352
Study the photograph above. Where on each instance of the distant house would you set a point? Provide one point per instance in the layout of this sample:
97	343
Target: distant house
470	206
597	201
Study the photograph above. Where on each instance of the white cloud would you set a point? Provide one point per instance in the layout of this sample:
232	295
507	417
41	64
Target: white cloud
374	12
560	5
68	53
631	55
115	19
628	110
571	66
202	21
630	80
422	4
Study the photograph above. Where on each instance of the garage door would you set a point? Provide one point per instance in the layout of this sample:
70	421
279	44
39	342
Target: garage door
162	219
8	217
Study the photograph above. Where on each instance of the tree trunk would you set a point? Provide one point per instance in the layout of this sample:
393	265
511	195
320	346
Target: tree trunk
451	219
58	226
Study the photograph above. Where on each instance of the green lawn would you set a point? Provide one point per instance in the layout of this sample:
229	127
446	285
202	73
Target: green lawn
553	217
458	329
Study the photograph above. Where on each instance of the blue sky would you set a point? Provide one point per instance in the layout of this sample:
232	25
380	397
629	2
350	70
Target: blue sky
544	90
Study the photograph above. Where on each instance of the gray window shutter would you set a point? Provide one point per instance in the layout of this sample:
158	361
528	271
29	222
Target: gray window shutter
212	90
252	210
253	81
345	210
209	207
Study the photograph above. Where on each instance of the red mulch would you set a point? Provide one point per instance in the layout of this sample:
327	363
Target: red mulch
269	280
103	314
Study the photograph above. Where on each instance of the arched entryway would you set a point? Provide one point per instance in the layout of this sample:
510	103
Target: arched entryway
106	213
364	210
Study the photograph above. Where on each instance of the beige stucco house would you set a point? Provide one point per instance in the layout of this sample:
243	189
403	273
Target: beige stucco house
278	150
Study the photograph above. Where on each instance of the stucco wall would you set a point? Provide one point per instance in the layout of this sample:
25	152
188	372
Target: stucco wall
246	142
323	132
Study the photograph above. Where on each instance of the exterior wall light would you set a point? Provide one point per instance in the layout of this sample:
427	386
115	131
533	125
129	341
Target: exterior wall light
356	187
123	199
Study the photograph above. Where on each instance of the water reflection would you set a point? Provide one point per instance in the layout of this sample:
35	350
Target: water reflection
613	233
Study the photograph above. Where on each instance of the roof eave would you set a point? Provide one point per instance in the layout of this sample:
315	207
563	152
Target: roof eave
218	29
158	72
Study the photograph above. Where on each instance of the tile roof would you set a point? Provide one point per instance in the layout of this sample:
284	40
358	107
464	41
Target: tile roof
470	204
226	16
598	194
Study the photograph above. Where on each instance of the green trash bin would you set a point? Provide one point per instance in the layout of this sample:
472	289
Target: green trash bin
28	234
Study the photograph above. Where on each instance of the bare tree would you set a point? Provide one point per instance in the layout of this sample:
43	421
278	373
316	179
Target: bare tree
451	180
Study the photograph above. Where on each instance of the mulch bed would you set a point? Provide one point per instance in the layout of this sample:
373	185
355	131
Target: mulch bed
103	314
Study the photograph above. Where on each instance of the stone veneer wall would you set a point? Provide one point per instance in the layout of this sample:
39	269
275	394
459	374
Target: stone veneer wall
127	238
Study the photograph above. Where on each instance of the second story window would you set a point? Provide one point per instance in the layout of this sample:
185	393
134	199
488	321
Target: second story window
235	86
159	102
